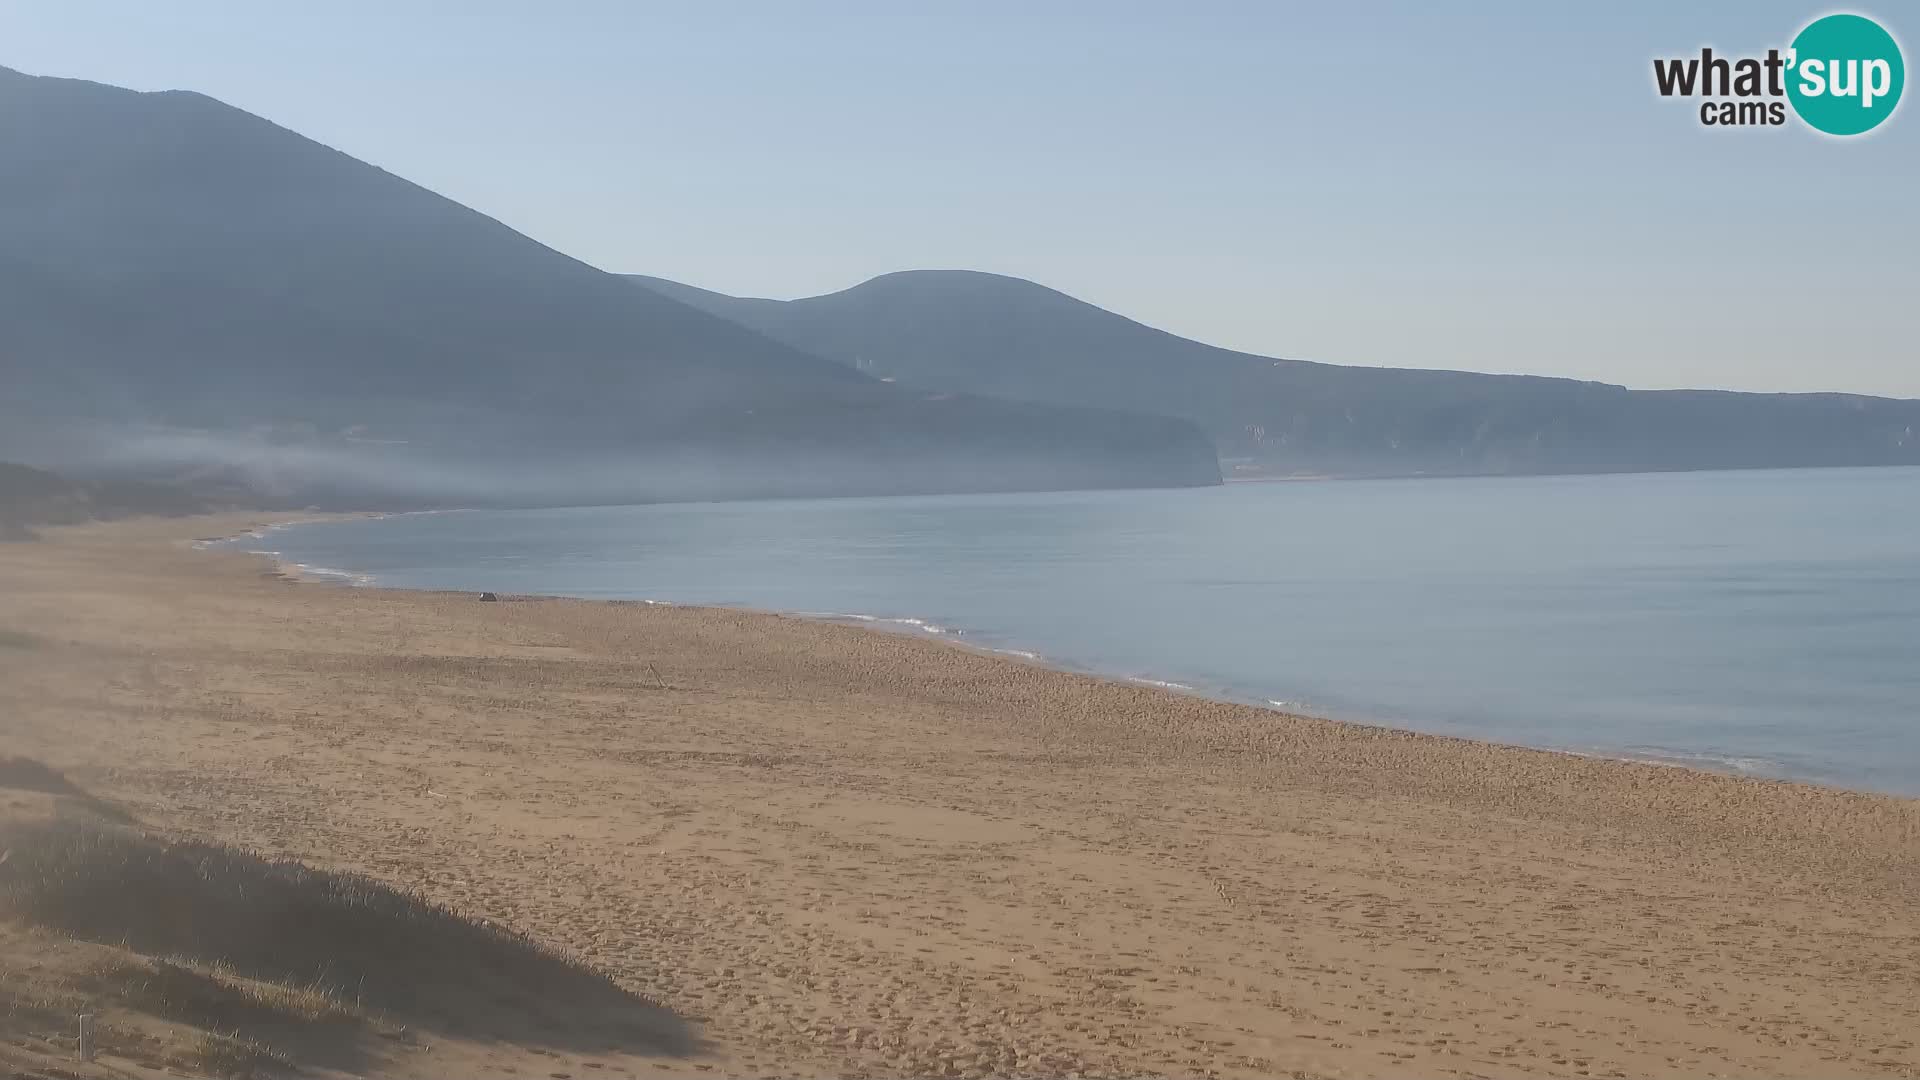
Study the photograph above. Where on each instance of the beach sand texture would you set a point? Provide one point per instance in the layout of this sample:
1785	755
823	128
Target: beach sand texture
838	852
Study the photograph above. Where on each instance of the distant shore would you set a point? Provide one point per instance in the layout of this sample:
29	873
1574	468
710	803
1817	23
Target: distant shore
836	851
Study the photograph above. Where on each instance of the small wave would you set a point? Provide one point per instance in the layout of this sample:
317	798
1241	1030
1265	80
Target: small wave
1743	765
1287	706
331	574
1021	653
1161	683
917	624
1702	760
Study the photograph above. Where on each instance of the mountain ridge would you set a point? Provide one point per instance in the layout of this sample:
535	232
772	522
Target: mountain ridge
978	332
178	276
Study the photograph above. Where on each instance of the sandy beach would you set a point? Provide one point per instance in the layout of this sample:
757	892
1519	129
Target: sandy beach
830	851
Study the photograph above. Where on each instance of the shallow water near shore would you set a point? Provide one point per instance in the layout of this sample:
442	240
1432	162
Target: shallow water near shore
1766	623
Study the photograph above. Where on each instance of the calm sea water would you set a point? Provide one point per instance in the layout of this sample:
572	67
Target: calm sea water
1760	622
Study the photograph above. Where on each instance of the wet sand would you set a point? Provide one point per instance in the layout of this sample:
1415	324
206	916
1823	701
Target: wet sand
835	851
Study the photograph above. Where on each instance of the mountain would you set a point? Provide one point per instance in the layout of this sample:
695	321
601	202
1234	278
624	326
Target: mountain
968	332
186	285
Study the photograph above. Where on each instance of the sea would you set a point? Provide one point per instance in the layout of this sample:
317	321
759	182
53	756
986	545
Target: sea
1765	623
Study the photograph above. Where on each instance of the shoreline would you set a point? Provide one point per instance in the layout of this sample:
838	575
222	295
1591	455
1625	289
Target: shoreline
919	628
834	852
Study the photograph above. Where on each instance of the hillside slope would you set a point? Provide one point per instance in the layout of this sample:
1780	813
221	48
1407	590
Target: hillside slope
34	497
972	332
183	282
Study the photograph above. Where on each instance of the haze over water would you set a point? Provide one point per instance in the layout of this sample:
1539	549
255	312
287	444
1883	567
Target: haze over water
1760	622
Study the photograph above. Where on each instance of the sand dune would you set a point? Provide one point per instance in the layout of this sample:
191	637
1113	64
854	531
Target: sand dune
833	851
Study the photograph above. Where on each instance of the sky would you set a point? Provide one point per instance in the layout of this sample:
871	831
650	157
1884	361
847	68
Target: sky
1496	189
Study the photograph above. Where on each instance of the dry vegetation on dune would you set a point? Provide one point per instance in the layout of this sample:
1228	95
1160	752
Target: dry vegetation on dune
33	498
209	957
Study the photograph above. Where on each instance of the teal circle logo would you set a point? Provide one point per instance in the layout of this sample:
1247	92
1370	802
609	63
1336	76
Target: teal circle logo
1845	74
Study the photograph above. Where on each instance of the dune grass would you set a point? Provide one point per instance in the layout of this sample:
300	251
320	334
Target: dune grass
271	960
212	1021
269	919
26	774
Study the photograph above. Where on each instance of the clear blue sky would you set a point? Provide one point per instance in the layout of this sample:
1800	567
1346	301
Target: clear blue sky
1370	184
